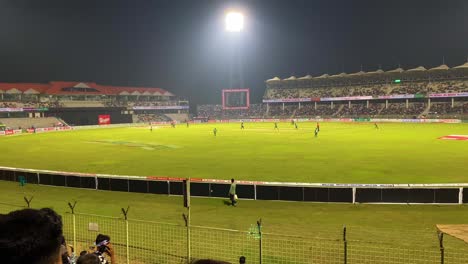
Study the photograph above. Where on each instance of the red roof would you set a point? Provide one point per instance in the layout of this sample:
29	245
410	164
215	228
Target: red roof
57	88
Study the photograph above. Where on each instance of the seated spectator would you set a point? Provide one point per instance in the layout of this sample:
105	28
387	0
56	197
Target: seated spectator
104	247
31	236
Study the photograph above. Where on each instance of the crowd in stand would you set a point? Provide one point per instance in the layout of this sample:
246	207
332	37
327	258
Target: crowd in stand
123	103
308	110
369	90
29	104
414	109
277	110
217	112
147	118
446	109
360	110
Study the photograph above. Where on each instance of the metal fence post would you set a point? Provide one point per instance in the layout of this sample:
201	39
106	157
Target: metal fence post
28	201
441	246
259	225
345	249
186	193
125	213
72	208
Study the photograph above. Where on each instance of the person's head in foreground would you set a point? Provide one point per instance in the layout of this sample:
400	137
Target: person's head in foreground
31	236
88	259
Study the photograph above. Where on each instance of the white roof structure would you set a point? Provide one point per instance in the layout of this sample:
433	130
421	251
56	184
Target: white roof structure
275	79
124	93
13	91
397	70
136	93
417	69
307	77
31	91
442	67
292	78
357	73
374	72
323	76
146	93
81	85
463	66
339	75
166	93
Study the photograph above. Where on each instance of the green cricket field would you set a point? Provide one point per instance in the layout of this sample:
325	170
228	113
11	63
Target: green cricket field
341	152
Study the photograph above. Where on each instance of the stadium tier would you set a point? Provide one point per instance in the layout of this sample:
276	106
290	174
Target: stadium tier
82	103
439	92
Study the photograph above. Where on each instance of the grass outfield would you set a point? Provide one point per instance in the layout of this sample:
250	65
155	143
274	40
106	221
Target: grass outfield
386	233
342	153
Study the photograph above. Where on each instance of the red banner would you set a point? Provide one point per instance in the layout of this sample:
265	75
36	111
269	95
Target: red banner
104	120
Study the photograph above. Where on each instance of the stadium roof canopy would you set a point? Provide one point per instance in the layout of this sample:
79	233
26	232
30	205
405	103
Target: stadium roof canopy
78	88
13	91
275	79
31	91
307	77
292	78
397	70
442	67
322	76
375	72
417	69
357	73
339	75
463	66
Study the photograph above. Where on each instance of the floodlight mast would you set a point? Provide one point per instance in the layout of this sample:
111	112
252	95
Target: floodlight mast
234	21
234	25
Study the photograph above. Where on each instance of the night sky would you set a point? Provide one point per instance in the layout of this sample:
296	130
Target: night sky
181	46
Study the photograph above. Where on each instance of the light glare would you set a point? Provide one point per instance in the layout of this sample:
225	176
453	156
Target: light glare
234	22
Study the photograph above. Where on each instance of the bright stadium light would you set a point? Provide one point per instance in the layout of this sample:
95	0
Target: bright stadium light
234	21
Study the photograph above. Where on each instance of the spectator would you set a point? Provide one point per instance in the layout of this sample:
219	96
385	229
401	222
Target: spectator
104	247
31	236
242	260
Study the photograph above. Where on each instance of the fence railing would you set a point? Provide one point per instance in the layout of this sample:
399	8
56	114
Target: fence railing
448	193
138	242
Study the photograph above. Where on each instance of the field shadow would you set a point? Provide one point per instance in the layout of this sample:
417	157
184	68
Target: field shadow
225	202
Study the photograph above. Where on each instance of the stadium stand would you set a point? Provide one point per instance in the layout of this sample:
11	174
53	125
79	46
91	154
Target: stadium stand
23	123
418	92
217	112
81	103
147	118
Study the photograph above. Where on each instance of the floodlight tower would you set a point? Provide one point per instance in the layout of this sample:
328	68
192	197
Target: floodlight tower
234	21
234	25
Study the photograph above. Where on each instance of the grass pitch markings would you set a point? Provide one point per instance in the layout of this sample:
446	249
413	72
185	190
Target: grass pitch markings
146	146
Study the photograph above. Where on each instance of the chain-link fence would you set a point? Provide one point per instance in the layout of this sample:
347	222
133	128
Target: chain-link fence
139	242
